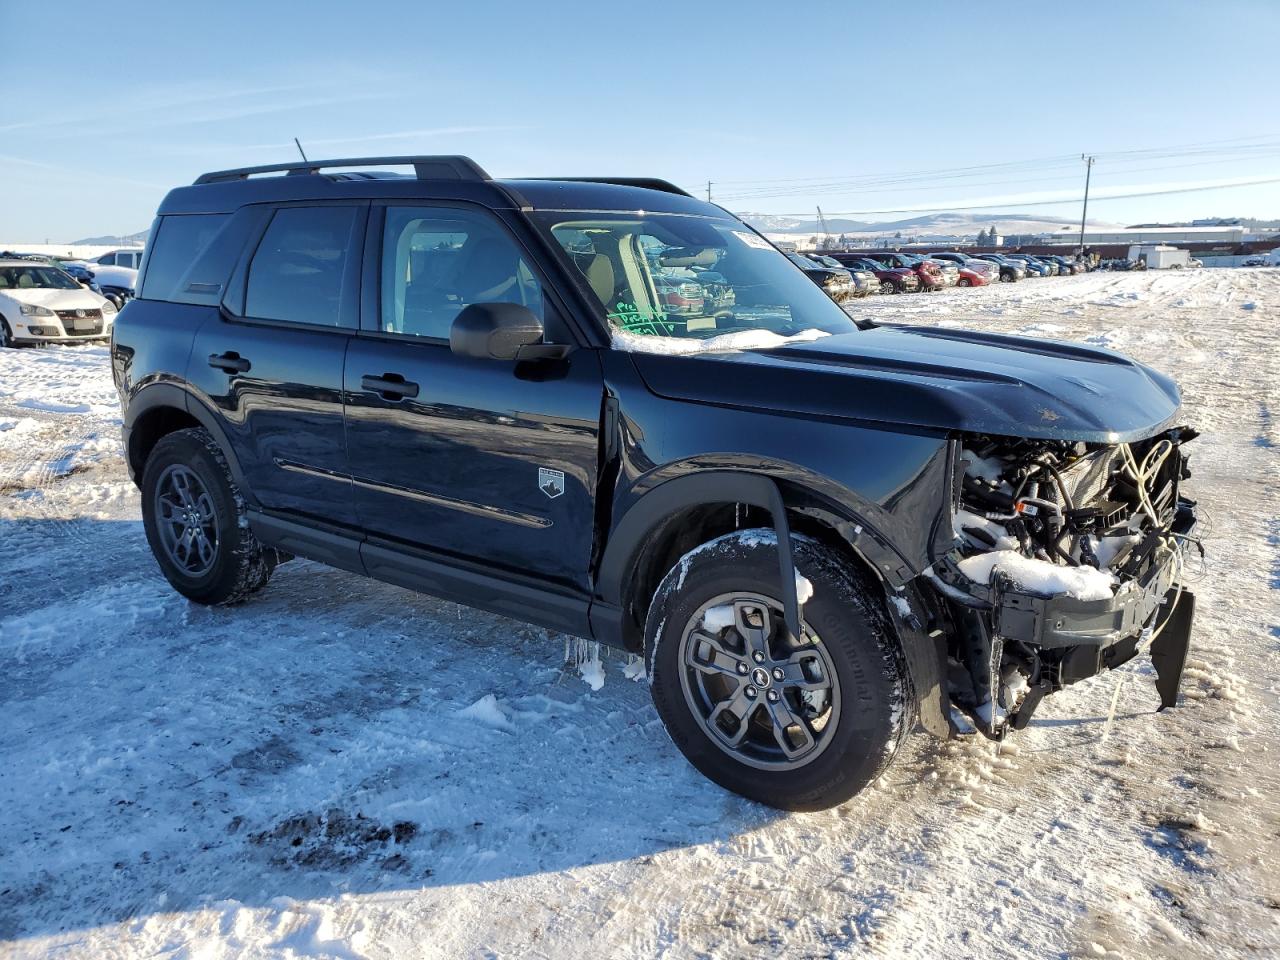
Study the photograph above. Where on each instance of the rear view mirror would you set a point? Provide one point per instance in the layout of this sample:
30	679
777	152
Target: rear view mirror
500	331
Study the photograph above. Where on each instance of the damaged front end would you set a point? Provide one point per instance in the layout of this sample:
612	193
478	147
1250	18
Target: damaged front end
1066	561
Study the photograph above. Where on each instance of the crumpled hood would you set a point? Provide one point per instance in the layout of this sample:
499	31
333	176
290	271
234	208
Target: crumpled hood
55	299
935	378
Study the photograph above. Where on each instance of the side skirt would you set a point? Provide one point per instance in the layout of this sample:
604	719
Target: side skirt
521	599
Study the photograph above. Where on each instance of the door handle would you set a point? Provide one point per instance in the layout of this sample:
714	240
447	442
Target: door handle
230	361
389	386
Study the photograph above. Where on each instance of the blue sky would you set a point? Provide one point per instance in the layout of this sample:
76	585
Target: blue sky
856	107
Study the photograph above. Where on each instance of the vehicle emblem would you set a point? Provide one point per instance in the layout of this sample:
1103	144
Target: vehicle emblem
551	482
79	313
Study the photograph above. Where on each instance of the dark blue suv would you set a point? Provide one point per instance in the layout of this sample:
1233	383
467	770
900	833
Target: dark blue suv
818	531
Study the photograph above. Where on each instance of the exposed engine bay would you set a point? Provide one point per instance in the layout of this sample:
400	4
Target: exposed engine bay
1065	562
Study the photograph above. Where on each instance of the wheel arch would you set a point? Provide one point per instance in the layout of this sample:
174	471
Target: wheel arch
159	409
679	514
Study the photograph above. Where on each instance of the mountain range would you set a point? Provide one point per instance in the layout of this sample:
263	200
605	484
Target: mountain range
129	240
958	224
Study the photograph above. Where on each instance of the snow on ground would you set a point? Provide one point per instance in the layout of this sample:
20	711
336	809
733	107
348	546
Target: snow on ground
343	769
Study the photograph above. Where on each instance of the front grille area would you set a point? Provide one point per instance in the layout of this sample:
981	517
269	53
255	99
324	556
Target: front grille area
74	315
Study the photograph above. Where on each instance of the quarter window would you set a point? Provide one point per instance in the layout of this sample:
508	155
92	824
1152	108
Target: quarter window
437	261
298	271
176	242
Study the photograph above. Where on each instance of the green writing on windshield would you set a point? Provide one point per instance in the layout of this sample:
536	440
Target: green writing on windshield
644	322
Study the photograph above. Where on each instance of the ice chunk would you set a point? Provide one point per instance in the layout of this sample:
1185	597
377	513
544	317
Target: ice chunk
1039	576
717	618
804	589
489	712
741	340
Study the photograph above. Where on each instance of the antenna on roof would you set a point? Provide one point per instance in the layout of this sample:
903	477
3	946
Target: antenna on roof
300	150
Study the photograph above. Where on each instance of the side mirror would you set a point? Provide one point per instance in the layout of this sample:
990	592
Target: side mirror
501	331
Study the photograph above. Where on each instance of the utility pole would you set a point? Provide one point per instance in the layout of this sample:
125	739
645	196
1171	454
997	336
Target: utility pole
1088	170
708	191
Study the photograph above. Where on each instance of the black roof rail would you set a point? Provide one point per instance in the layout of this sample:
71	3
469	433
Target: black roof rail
647	183
425	168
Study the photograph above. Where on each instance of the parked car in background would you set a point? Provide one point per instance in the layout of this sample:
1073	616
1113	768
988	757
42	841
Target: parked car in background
930	276
891	279
116	283
1065	264
1011	271
131	258
679	295
864	280
1033	266
81	272
836	282
41	303
970	268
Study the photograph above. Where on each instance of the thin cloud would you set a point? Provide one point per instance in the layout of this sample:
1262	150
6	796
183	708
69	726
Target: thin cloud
162	103
308	143
68	171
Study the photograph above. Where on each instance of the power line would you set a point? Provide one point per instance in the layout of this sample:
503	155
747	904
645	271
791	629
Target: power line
1184	149
1044	203
1260	148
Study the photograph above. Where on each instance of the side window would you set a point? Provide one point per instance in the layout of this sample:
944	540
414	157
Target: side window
175	243
298	269
436	261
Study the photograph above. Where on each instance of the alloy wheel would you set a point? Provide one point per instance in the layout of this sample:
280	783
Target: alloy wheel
765	698
186	520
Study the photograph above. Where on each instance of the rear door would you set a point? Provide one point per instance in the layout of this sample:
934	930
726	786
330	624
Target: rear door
481	460
270	362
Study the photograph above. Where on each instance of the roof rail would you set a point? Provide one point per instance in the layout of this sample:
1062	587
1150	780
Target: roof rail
647	183
426	168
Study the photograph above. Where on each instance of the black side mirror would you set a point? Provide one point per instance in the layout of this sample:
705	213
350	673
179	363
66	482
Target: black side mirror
501	331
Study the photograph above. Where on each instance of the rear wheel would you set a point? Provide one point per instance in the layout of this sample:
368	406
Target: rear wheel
797	723
886	286
194	519
962	282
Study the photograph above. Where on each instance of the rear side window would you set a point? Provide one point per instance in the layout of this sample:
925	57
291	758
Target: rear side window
298	270
175	244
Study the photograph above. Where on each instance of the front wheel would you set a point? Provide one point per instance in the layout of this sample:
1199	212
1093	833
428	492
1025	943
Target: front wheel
886	287
6	335
962	282
798	723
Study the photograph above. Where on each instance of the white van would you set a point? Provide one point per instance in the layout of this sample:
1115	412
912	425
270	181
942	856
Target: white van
131	258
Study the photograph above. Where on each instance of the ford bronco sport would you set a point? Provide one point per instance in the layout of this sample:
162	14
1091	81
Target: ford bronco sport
817	531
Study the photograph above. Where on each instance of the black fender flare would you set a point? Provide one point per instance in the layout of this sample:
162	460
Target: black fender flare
924	654
157	395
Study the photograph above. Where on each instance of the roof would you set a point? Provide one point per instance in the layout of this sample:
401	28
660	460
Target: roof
437	178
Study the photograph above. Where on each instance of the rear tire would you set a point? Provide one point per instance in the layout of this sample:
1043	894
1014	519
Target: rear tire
194	517
962	282
763	725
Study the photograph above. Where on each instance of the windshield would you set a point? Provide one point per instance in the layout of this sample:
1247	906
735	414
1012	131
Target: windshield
36	276
692	278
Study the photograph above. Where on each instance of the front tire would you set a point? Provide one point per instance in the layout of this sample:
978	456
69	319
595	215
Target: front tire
798	725
194	519
6	335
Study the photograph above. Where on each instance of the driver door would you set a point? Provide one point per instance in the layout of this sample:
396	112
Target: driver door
487	461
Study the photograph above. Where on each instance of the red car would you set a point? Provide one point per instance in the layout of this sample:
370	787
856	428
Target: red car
892	279
929	275
680	295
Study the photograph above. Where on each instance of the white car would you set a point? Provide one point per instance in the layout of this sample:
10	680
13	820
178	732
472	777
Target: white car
40	303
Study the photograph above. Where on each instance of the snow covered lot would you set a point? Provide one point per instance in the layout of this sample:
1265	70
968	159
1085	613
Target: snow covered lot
344	769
